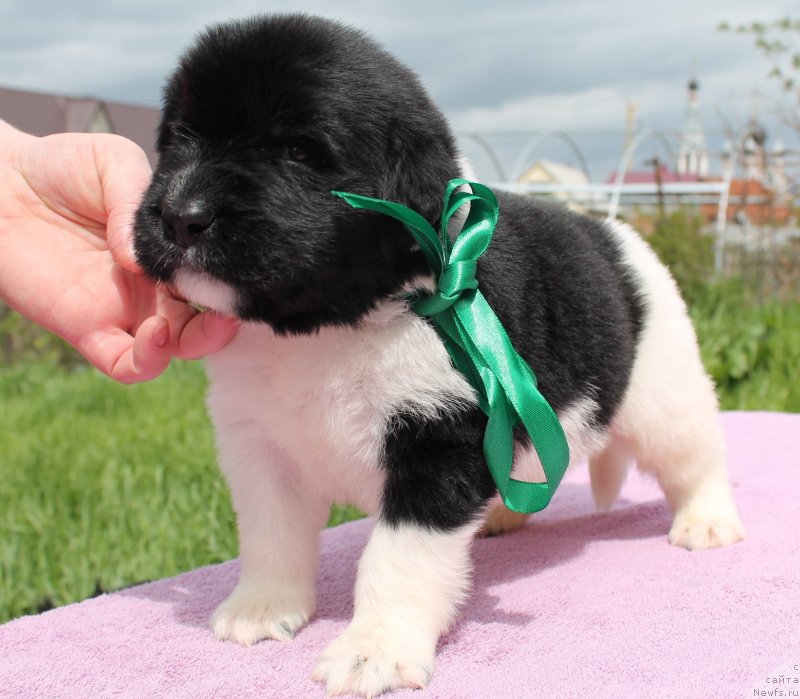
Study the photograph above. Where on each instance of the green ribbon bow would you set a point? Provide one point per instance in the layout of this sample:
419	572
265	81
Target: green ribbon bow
478	343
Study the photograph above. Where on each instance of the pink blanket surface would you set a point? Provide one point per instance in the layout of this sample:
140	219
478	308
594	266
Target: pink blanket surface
575	604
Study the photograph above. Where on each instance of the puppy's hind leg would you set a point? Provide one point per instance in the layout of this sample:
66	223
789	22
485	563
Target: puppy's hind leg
687	457
607	471
499	520
669	416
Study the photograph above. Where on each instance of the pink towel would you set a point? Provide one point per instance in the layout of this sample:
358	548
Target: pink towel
575	604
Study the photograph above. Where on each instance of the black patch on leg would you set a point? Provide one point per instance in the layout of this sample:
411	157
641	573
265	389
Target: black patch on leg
436	474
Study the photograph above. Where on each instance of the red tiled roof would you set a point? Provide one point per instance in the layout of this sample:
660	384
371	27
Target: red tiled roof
649	177
41	114
756	201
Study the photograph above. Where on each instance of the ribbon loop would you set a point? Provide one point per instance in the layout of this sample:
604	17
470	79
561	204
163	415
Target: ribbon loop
477	342
457	278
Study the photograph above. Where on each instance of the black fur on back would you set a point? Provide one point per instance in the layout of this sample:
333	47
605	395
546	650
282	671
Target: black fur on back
570	306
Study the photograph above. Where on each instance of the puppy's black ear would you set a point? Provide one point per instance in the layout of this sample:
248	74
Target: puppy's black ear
422	159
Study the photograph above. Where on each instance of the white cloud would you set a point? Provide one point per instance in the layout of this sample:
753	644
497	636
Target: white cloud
603	108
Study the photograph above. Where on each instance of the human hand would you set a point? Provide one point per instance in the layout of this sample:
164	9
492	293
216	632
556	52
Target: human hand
66	209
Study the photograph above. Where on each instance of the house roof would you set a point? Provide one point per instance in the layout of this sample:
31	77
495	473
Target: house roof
42	114
549	171
649	176
754	200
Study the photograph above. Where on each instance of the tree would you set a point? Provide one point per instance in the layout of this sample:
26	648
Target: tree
779	42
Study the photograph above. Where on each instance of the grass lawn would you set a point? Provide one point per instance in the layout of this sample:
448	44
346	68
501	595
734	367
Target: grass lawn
104	484
109	485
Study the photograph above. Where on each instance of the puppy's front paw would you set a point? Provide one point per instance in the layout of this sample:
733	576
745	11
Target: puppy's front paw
373	660
706	522
251	614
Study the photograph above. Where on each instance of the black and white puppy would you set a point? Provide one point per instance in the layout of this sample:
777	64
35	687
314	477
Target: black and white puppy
333	390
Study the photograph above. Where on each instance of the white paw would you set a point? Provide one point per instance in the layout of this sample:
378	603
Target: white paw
252	613
706	523
373	660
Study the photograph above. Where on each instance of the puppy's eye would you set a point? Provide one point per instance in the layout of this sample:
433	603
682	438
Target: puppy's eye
308	152
299	151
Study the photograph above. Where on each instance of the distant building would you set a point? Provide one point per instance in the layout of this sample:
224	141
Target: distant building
692	151
42	114
557	175
691	163
752	202
553	173
759	162
758	184
659	173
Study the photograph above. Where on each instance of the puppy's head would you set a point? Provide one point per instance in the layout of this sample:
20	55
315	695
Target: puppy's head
261	120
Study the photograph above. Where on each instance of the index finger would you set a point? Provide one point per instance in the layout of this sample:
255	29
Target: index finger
129	358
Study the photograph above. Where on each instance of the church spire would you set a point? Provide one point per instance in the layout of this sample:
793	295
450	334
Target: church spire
692	155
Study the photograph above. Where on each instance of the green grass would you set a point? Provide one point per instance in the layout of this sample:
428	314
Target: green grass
112	485
106	484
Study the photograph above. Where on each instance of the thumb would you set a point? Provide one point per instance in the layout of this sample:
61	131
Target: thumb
124	175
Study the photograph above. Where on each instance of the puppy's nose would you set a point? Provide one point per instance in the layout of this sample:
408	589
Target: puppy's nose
186	222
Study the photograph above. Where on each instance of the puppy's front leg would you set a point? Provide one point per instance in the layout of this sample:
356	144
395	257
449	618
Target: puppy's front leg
410	582
414	572
279	522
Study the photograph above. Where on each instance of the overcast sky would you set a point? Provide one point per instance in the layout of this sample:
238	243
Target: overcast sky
494	65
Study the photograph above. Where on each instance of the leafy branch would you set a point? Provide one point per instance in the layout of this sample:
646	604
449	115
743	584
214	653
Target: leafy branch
779	42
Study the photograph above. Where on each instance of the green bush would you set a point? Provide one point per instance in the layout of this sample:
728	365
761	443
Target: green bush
750	341
681	244
750	348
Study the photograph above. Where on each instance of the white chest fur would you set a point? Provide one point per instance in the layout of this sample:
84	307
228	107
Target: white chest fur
324	400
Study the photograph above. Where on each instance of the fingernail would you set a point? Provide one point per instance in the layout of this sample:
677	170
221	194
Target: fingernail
161	335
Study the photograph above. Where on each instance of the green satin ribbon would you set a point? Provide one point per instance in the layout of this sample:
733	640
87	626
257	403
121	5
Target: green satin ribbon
478	343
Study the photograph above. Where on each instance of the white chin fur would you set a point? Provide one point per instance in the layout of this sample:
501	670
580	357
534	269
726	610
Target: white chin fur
205	291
